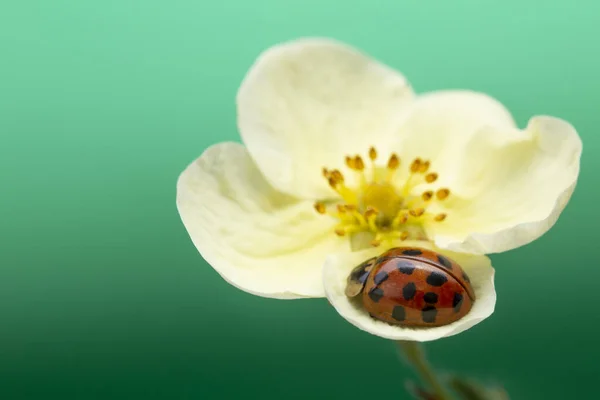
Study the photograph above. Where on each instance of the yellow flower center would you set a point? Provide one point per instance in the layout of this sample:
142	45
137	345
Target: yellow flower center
382	204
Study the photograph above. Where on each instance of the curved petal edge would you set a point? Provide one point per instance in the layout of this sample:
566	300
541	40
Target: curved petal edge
307	103
338	266
525	205
259	240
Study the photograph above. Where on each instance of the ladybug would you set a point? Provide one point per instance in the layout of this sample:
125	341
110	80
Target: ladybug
412	287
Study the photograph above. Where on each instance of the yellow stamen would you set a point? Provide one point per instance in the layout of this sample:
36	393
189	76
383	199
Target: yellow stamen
392	166
337	175
431	177
443	193
399	219
371	212
358	162
376	204
416	165
440	217
350	163
371	216
360	218
320	207
372	154
393	162
336	181
417	212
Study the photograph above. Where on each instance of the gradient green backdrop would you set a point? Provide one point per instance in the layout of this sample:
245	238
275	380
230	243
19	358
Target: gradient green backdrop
102	294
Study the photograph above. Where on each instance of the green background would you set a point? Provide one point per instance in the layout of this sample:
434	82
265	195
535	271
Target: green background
102	294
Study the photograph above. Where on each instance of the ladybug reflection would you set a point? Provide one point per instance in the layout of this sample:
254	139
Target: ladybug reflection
412	287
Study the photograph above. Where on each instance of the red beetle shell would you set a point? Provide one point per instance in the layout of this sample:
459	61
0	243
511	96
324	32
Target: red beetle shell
414	287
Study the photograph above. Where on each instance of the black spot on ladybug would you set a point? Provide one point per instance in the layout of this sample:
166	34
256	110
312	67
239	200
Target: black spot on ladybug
409	291
436	279
380	277
444	261
412	252
399	313
466	277
405	267
457	302
428	314
376	294
430	297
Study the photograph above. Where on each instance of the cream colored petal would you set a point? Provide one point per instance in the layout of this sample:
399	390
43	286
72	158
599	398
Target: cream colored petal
438	124
512	186
258	239
338	266
306	104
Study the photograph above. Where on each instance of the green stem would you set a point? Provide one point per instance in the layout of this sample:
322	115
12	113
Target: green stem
415	355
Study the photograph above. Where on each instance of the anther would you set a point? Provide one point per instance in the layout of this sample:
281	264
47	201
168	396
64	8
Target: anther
370	216
350	162
443	193
400	219
403	218
320	207
355	212
431	177
393	162
372	153
337	175
440	217
371	212
417	212
416	165
358	163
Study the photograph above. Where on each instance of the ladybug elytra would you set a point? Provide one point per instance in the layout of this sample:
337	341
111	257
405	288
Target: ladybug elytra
413	287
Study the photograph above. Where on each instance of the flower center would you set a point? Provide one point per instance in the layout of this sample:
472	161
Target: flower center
381	203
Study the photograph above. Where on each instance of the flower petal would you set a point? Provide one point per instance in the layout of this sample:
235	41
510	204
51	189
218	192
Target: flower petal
258	239
511	187
306	104
338	266
438	124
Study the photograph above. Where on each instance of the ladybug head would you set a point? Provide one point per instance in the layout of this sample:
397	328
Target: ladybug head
358	277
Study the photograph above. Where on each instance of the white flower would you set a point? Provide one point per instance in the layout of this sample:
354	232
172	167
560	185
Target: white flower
336	147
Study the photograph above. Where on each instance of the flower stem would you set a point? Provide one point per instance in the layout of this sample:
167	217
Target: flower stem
415	355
